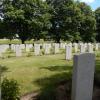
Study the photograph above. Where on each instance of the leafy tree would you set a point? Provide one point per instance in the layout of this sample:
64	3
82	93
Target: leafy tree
97	16
27	18
88	23
66	17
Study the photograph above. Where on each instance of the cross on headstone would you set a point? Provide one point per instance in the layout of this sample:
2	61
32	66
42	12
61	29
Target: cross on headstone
83	76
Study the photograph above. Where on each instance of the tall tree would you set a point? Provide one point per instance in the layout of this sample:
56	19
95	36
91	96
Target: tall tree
88	23
65	20
97	16
27	18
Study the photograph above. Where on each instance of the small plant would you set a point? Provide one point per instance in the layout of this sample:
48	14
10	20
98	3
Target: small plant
10	90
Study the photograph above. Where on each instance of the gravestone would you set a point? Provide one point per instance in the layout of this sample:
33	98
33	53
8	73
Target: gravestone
27	48
90	48
96	46
83	76
56	48
18	51
68	52
37	49
47	48
82	48
62	45
22	46
1	50
75	47
13	47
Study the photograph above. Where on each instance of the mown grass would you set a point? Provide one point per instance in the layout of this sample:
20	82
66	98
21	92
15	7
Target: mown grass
26	70
39	72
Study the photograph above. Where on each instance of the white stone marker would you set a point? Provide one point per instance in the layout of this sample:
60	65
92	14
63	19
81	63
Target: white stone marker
82	48
56	48
90	48
47	48
96	46
27	48
68	52
83	76
75	47
18	51
37	49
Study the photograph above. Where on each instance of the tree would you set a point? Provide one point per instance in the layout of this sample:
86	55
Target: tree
88	23
27	18
97	16
66	17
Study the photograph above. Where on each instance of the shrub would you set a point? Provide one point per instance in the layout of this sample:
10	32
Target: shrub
10	90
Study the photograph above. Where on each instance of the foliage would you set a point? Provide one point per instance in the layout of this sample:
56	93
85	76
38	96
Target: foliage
55	20
28	18
10	90
97	16
88	23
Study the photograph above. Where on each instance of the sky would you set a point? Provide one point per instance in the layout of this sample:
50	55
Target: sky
93	3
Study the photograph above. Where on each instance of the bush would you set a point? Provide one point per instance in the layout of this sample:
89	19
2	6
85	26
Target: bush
10	90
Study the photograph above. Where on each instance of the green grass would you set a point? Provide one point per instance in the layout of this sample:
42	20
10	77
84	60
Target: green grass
39	72
27	70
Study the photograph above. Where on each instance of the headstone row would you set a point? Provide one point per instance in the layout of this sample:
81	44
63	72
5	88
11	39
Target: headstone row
68	47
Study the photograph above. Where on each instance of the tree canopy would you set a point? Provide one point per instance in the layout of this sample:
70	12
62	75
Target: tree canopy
97	16
50	19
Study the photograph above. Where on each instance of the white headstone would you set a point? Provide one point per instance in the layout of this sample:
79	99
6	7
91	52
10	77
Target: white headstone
27	48
47	48
82	48
37	49
96	46
18	51
68	52
75	47
56	47
90	48
83	76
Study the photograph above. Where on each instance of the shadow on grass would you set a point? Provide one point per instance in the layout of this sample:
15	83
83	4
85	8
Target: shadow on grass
55	86
97	74
3	69
58	68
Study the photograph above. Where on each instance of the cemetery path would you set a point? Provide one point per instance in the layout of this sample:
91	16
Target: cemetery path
30	96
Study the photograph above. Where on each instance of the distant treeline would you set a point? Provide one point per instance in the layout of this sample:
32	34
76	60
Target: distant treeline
49	20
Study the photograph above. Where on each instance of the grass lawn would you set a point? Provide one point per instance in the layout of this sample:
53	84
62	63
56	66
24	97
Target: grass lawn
34	73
